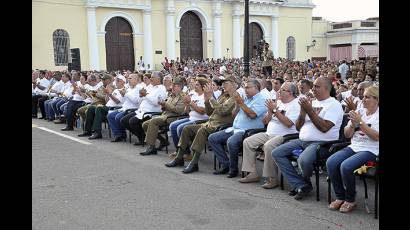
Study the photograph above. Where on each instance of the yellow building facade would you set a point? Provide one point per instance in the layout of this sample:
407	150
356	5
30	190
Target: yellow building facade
113	34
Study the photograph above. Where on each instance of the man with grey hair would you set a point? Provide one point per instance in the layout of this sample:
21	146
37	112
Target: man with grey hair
248	114
357	103
173	106
280	117
150	102
319	121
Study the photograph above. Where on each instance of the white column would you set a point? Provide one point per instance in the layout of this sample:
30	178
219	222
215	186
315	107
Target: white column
217	12
148	39
355	51
274	37
170	10
236	37
236	30
92	39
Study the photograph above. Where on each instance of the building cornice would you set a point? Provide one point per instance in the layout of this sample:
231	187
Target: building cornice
117	4
351	32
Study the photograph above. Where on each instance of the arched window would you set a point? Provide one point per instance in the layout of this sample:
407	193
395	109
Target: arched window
61	45
290	48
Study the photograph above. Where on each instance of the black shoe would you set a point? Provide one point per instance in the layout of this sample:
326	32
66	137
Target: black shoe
162	145
85	134
232	174
42	118
67	129
223	170
96	135
175	162
150	151
303	192
118	139
292	192
191	168
33	116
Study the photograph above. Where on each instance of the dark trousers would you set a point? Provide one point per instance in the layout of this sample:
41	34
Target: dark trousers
94	117
34	104
72	107
134	125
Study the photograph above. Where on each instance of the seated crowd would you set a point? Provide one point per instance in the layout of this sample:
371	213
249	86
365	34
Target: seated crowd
208	102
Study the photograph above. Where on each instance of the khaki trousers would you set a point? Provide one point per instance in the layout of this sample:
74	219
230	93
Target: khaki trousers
250	144
151	128
198	134
82	112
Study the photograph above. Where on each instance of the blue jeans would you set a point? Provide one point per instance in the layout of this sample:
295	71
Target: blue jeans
340	167
176	129
55	106
47	107
63	108
233	141
305	161
114	119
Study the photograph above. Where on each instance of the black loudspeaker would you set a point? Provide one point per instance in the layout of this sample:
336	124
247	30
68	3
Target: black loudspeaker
75	60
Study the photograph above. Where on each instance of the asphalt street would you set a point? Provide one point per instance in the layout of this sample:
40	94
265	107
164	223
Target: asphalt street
96	184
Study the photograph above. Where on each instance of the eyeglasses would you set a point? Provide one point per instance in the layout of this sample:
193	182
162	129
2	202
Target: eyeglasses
285	90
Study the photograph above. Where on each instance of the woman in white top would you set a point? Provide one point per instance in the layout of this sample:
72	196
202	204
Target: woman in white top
195	105
363	128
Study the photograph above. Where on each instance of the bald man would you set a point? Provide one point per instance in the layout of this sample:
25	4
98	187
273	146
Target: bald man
319	121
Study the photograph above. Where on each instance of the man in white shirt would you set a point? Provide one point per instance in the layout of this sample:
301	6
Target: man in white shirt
171	107
319	121
277	83
305	87
131	101
150	96
281	118
55	87
40	87
343	69
79	99
98	109
356	103
65	88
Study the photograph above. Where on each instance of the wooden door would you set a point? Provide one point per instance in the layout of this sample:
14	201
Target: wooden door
119	45
190	36
255	35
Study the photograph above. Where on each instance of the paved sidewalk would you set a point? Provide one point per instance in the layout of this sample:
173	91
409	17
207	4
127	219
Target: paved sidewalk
104	185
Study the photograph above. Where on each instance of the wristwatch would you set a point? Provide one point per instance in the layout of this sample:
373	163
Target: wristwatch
274	110
361	123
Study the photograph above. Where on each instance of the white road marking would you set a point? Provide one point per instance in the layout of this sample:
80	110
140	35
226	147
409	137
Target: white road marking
66	136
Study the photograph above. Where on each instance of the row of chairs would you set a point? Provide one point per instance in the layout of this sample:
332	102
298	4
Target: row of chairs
323	152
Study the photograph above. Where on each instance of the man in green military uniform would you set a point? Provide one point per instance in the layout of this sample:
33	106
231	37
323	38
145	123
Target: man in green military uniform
173	106
96	111
219	112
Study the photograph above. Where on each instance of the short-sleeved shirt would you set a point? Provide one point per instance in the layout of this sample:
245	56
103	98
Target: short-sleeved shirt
330	110
360	141
199	100
111	103
291	110
242	122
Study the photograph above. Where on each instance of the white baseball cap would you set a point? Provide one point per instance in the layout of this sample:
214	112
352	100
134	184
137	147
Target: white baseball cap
120	76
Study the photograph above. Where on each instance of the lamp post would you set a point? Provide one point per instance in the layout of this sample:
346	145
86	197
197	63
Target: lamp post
309	46
246	40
